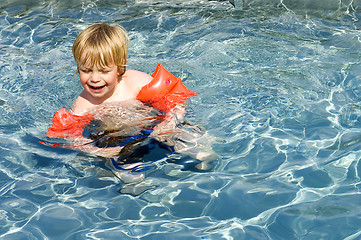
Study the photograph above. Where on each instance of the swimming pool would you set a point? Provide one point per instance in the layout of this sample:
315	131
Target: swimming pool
279	88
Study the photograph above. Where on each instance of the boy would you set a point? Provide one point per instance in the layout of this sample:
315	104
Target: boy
100	52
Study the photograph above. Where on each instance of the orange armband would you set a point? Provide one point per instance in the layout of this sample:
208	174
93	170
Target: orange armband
165	91
66	124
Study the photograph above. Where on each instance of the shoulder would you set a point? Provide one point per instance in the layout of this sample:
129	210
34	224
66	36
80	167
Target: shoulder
136	79
80	105
138	76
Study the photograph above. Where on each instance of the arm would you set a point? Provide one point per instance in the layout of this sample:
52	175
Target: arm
81	105
162	131
135	80
85	145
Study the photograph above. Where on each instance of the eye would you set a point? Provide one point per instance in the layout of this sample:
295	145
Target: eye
85	70
104	71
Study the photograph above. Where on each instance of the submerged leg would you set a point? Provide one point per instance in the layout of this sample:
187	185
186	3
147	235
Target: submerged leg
192	140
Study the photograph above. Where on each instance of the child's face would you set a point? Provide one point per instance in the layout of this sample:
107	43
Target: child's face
99	82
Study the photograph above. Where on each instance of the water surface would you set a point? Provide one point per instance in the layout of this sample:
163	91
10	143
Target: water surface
279	88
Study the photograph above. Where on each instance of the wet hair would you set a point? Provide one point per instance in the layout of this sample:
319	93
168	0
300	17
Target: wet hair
102	45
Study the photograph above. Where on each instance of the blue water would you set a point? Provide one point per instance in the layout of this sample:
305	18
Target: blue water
279	85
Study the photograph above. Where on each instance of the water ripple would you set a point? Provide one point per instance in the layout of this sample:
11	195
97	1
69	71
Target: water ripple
279	91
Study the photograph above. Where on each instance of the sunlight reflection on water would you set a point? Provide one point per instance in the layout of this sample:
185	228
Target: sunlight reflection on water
279	89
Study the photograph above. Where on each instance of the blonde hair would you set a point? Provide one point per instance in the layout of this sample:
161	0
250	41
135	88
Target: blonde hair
102	45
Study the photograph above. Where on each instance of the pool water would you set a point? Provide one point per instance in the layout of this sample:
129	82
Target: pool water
279	89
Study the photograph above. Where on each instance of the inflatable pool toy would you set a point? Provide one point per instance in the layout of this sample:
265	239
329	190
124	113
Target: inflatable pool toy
66	124
165	91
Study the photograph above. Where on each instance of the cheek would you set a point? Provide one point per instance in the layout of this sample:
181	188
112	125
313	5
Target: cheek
112	79
83	79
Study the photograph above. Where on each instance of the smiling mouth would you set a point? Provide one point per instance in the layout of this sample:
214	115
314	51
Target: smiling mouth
96	88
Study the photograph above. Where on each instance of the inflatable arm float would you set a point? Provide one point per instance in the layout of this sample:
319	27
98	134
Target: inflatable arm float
164	92
66	124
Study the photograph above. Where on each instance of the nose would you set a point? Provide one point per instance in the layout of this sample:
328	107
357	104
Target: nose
95	77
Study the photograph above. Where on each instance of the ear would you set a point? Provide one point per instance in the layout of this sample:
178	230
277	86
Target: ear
121	71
